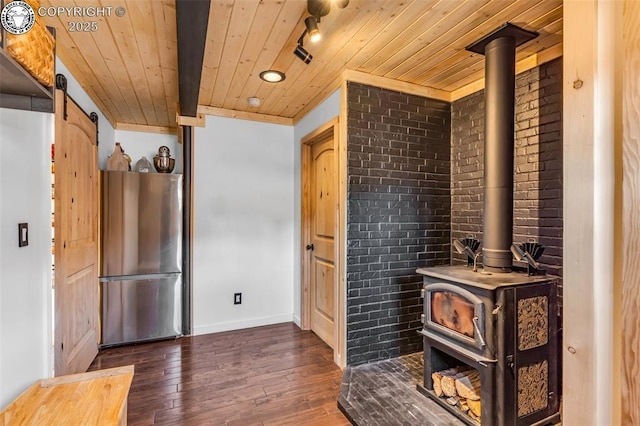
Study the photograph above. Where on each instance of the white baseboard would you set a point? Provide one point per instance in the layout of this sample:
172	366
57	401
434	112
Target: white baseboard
239	325
297	321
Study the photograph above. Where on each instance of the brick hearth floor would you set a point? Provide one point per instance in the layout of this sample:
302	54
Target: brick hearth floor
384	393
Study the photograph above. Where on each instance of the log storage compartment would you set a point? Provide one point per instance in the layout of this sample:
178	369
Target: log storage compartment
490	345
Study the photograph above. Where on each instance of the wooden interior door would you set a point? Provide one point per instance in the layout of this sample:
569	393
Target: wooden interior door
76	239
322	247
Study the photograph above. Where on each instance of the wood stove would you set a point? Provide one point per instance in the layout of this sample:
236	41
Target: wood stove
501	323
504	326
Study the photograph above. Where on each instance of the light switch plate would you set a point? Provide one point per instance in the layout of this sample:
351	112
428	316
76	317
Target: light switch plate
23	234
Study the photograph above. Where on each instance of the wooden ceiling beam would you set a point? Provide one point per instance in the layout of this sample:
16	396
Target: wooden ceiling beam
192	19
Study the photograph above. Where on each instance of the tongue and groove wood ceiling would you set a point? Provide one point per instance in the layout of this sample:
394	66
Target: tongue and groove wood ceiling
129	65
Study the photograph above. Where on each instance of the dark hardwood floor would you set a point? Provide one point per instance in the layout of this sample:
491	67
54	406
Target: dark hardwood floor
273	375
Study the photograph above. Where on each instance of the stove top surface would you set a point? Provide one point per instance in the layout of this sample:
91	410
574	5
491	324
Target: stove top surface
489	281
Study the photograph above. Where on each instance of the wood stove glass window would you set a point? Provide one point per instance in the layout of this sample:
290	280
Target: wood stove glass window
453	311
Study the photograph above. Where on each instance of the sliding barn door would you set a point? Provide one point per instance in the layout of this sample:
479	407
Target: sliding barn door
76	238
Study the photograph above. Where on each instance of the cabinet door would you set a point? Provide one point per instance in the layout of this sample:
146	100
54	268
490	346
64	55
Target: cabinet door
531	362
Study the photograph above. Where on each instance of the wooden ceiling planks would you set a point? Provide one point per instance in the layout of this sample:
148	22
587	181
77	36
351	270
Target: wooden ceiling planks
455	53
402	49
124	34
130	65
460	60
237	35
164	14
547	39
343	33
265	17
147	41
446	35
219	16
286	62
285	26
400	21
77	62
120	64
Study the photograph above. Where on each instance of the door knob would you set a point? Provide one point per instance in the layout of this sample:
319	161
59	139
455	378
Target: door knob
309	247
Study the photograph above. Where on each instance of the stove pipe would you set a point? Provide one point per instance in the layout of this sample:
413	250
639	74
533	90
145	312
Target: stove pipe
499	49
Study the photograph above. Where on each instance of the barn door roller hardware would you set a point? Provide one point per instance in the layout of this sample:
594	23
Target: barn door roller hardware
61	84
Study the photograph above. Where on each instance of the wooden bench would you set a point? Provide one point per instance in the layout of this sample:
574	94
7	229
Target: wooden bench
94	398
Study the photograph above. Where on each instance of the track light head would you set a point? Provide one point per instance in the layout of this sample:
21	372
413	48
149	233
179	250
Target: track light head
318	8
341	3
311	23
302	53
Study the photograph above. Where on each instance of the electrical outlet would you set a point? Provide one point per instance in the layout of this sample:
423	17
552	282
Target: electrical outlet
237	298
23	234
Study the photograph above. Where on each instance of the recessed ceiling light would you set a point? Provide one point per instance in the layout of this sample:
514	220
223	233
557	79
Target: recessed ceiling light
272	76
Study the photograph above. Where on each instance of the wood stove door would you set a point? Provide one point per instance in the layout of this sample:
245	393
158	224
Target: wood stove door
530	376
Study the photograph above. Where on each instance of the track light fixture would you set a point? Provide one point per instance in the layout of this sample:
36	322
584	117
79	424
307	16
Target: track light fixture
320	8
302	53
311	24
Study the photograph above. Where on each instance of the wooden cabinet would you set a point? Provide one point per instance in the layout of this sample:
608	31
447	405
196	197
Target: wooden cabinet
19	89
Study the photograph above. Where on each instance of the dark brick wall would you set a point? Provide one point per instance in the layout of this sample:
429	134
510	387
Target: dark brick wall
398	207
538	163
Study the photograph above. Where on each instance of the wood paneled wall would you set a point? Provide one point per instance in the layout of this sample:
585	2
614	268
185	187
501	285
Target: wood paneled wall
602	198
630	219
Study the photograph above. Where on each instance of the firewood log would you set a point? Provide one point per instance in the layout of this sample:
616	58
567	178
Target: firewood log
437	377
475	418
463	405
436	383
468	386
474	407
448	384
454	400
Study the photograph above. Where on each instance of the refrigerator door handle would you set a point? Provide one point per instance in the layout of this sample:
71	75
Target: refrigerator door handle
139	277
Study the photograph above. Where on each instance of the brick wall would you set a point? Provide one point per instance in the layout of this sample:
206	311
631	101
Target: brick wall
398	207
538	163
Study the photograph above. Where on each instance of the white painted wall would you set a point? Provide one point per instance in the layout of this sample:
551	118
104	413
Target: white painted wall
106	135
138	144
243	224
327	110
25	272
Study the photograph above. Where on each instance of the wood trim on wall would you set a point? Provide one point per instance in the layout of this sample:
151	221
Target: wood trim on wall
326	92
630	231
342	236
397	85
305	261
591	123
321	134
244	115
146	129
197	121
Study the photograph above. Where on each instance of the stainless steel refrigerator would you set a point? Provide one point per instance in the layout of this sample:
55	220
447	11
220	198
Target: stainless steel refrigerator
141	257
